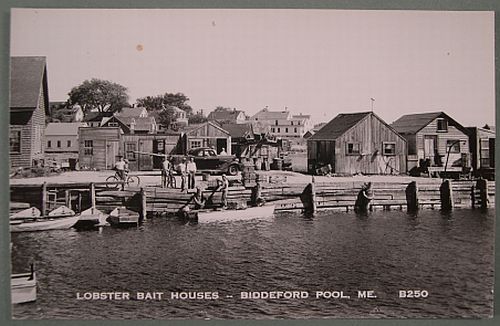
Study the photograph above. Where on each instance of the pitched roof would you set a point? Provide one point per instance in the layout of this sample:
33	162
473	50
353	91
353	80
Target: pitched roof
192	128
27	78
141	124
339	125
413	123
63	128
224	114
238	130
265	114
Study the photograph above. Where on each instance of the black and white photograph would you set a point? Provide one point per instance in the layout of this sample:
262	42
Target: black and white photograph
251	164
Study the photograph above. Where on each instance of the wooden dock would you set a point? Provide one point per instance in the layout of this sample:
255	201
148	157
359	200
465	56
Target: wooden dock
333	195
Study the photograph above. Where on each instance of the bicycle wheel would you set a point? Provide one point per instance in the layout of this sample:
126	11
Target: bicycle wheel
112	185
133	181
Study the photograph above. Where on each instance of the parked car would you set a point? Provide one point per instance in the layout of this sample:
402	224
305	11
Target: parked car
207	160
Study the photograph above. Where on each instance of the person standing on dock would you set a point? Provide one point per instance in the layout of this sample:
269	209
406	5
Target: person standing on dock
191	172
182	170
165	170
224	189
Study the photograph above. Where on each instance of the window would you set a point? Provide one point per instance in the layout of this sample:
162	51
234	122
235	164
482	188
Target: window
195	143
295	130
279	130
292	123
453	145
88	147
298	123
389	148
68	143
276	122
113	124
130	149
15	141
58	144
286	130
442	125
49	144
273	130
352	148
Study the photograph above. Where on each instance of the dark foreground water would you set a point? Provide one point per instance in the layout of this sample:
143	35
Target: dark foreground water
450	257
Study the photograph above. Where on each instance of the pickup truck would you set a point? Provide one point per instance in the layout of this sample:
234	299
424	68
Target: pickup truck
207	160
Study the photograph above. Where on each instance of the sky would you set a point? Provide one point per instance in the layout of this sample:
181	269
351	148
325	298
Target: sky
317	62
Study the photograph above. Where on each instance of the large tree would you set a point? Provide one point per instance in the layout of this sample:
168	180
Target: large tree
159	102
98	94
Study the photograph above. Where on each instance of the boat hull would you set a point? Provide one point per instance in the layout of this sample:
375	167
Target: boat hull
44	224
91	219
123	218
23	288
262	212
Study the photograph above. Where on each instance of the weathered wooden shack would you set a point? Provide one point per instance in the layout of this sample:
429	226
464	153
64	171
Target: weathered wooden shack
99	147
29	104
482	149
357	143
434	137
207	134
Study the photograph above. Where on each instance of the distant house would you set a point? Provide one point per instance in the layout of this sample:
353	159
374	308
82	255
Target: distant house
282	123
436	138
94	118
208	134
61	143
29	106
131	125
181	119
242	137
226	115
357	143
482	149
63	112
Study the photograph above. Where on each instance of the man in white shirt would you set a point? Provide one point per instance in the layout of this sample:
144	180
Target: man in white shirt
182	170
120	167
191	173
165	170
223	151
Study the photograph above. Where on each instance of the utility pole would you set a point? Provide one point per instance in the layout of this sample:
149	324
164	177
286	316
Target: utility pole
373	100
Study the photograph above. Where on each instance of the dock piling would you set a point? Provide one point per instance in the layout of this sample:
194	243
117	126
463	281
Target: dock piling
412	196
446	196
482	186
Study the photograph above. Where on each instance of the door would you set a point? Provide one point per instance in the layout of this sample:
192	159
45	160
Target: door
158	148
430	146
111	154
221	144
145	161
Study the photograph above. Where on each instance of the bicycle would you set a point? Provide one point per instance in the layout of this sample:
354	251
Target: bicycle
130	180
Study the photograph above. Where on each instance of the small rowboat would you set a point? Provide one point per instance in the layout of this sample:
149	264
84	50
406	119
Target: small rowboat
29	213
90	219
23	287
123	217
60	218
262	212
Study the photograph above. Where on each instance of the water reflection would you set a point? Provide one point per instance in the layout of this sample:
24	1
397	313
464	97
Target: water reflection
448	254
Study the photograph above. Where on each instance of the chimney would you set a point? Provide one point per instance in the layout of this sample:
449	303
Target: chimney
132	126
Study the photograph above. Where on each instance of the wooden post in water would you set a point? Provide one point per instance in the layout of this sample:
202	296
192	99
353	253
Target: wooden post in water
472	196
412	196
482	186
308	198
67	198
446	196
256	198
44	198
365	196
143	213
92	194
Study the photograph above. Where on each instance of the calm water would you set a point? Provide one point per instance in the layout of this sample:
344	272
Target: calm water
449	256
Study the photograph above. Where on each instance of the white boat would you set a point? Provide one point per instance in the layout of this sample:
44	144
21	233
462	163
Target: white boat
29	213
23	287
123	217
262	212
91	218
43	224
61	211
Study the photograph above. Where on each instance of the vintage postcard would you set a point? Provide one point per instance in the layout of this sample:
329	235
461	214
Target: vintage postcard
251	164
